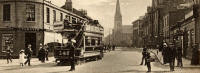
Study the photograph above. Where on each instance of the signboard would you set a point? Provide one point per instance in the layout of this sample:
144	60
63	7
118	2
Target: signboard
189	15
58	25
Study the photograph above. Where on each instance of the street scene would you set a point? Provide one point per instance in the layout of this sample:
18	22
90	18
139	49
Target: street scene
99	36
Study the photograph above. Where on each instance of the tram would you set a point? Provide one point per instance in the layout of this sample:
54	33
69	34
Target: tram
88	36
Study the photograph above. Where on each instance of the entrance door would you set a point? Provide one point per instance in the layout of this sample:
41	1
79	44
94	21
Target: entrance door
30	38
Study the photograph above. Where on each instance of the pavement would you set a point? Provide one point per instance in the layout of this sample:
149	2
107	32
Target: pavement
123	60
186	62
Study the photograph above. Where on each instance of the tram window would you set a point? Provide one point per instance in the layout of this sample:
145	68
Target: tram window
73	20
93	42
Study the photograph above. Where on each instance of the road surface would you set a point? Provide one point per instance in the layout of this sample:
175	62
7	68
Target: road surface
119	61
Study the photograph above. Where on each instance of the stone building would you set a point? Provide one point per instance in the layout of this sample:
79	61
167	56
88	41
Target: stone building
24	22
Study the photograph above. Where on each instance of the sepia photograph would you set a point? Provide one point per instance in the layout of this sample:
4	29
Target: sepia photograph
99	36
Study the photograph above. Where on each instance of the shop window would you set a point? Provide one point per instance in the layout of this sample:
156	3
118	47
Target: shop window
48	15
7	40
30	12
6	12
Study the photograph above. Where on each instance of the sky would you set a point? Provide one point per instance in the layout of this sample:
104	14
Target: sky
104	10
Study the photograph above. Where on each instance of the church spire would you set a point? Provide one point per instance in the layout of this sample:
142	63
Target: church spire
68	5
118	11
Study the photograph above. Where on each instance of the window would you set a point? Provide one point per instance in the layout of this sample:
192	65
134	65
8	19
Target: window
6	12
48	15
54	15
73	20
30	12
7	40
67	17
61	17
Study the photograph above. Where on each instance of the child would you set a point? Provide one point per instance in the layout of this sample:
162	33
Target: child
21	58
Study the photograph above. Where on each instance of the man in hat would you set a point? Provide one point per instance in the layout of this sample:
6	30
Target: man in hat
172	55
28	53
72	54
144	52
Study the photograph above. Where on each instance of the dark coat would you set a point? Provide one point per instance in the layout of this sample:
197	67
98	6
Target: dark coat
71	51
41	54
28	52
172	54
8	52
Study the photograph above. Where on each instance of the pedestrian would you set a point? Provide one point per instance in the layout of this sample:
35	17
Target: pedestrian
101	51
21	58
172	55
179	57
72	54
28	53
47	52
113	47
8	54
148	61
41	54
144	52
165	53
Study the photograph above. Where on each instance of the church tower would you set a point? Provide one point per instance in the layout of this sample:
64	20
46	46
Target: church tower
118	18
117	31
68	5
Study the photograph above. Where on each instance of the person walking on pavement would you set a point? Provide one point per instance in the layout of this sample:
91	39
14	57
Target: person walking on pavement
28	53
71	54
41	54
148	61
165	53
101	51
47	52
172	55
179	57
8	54
21	58
144	52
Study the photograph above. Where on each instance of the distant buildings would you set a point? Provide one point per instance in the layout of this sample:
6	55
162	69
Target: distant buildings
121	34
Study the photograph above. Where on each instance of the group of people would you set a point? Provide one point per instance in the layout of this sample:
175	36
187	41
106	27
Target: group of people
43	53
27	53
109	47
170	54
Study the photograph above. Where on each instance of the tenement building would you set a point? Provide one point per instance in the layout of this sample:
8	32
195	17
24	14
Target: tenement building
24	22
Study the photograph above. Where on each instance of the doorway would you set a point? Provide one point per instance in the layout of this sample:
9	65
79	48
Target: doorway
30	38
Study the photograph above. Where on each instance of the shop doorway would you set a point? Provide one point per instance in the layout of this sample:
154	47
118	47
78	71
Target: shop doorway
30	38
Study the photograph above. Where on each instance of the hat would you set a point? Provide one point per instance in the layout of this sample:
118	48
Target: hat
22	51
74	41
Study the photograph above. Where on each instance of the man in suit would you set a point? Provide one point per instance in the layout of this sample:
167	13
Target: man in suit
28	53
144	52
72	54
172	56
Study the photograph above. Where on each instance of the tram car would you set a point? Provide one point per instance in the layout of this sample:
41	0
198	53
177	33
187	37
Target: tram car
88	35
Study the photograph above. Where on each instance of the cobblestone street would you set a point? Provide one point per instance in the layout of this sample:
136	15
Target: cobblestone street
119	61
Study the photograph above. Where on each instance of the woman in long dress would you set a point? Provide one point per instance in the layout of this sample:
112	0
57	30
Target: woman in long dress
21	58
